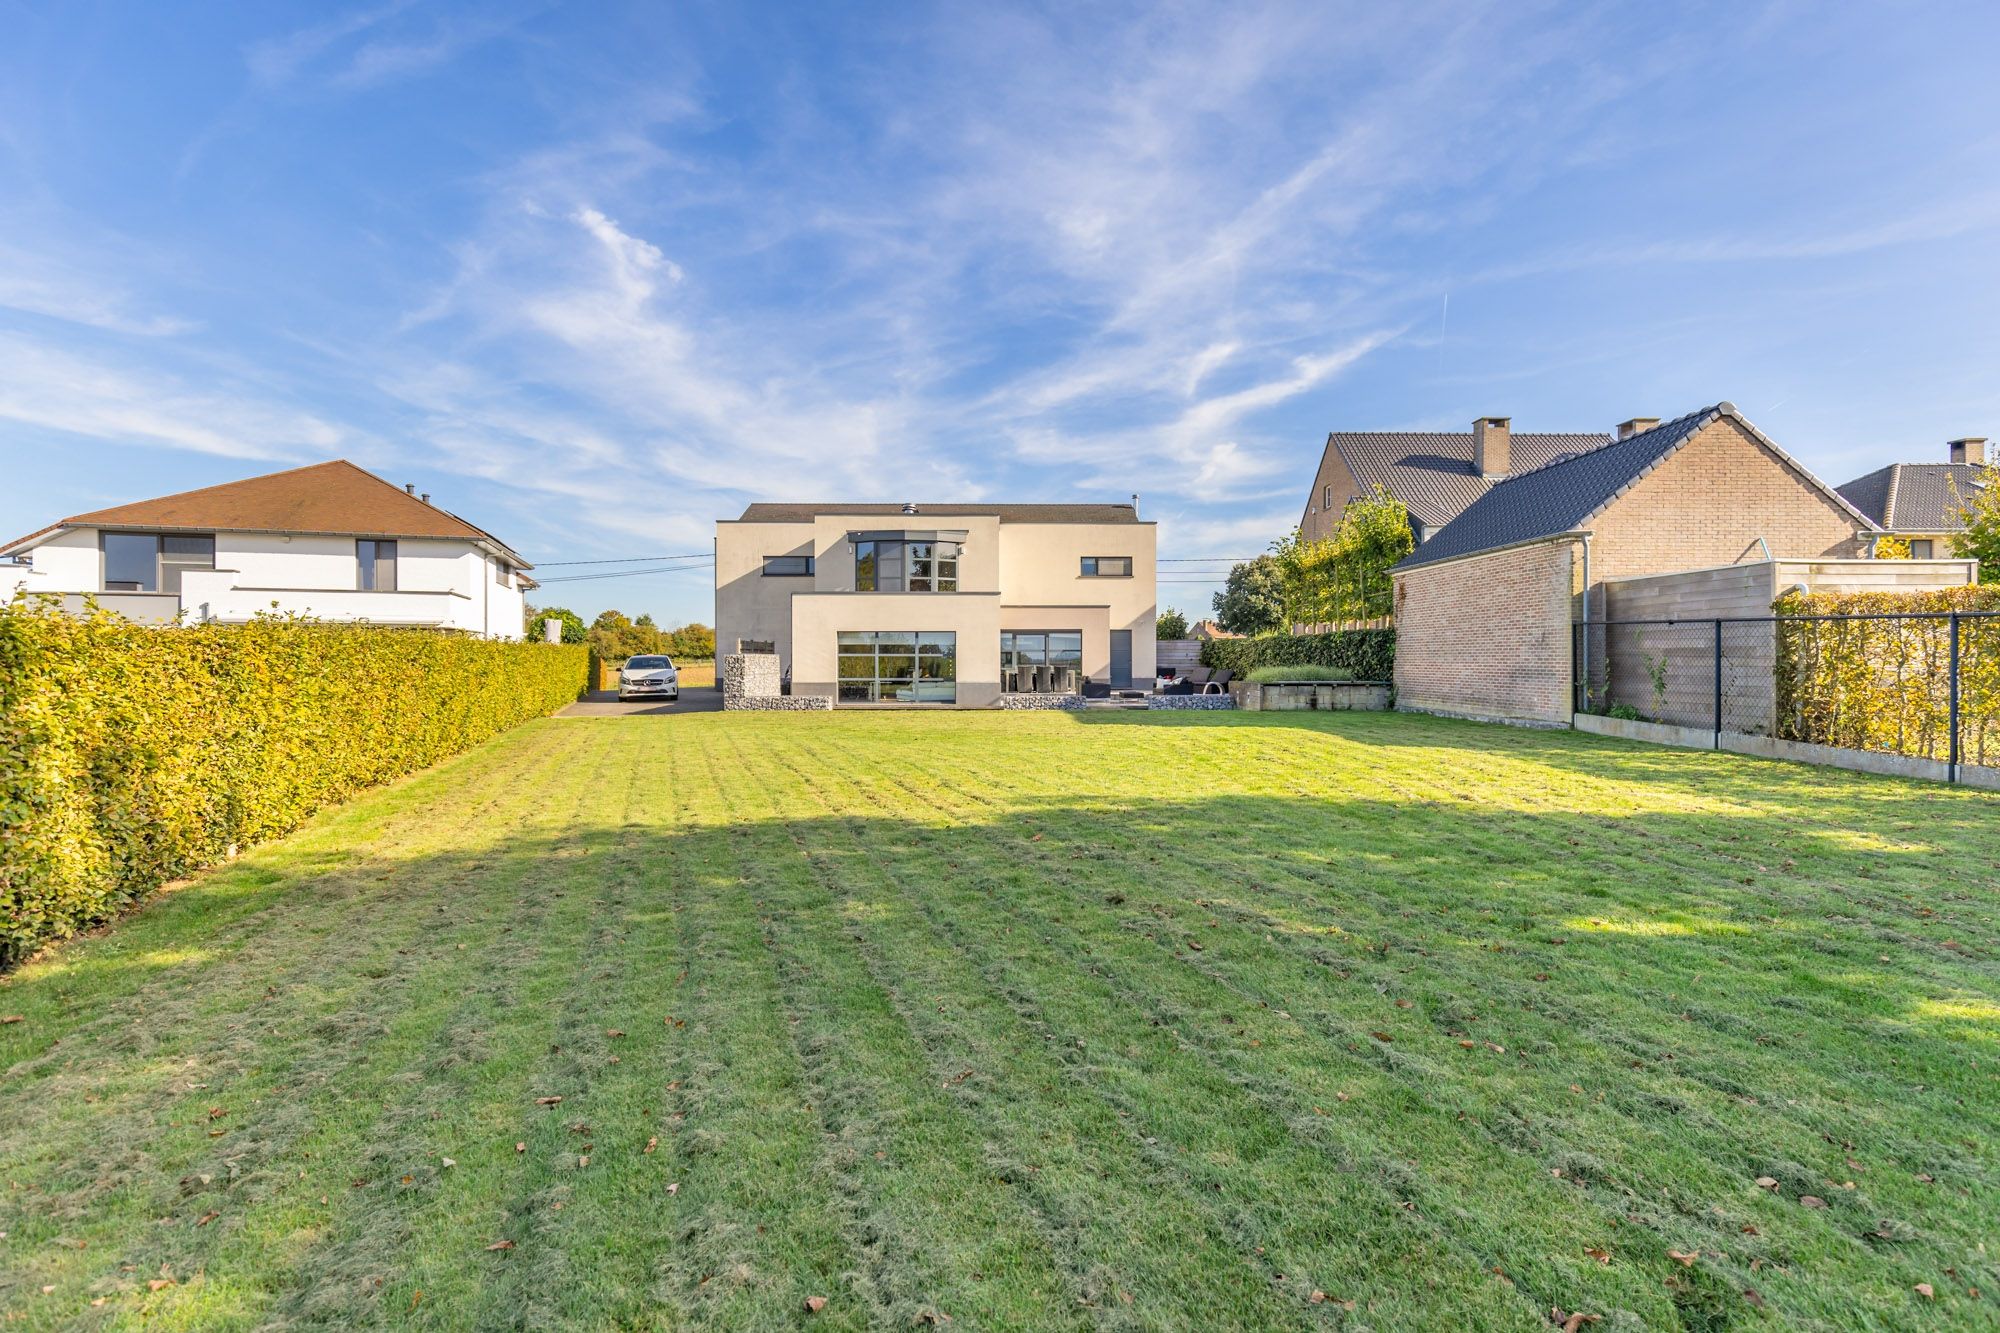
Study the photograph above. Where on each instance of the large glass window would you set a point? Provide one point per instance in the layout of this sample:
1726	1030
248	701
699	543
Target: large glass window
787	566
905	566
149	562
376	561
1107	566
898	667
1041	661
131	562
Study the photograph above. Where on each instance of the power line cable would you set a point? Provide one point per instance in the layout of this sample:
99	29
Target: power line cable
627	559
625	574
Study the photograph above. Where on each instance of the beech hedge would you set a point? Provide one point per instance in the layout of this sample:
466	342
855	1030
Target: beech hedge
1370	654
1870	684
133	755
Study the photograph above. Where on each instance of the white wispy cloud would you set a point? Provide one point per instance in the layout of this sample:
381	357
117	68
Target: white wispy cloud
98	399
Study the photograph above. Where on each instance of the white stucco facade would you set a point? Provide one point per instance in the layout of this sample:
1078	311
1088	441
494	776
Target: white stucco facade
441	583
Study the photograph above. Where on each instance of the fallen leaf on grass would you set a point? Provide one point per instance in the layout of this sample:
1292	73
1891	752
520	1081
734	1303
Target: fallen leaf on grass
520	1147
1317	1298
548	1101
1767	1182
651	1144
1924	1290
447	1161
1577	1321
159	1284
674	1188
1402	1004
1687	1257
614	1032
583	1161
1752	1295
1602	1256
13	1018
1811	1201
206	1218
501	1245
815	1303
1381	1036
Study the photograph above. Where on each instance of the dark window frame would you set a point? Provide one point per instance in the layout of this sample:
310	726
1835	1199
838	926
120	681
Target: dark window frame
894	561
1089	566
168	565
368	572
811	564
924	652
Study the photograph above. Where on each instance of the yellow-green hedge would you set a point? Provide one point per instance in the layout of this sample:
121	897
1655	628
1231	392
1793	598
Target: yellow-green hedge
1885	684
132	755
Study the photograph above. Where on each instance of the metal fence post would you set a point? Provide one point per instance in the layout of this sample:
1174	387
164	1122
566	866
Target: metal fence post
1718	684
1951	766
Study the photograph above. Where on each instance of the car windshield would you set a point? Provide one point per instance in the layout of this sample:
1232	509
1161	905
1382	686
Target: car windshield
640	663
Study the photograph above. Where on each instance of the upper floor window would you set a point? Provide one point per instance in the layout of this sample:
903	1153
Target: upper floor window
376	565
501	574
1921	550
1327	501
153	562
905	566
787	566
1107	566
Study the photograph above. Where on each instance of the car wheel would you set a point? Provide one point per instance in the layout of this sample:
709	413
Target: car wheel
675	697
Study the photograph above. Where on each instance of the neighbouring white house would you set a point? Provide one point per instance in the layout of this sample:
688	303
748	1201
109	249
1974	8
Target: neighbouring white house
331	541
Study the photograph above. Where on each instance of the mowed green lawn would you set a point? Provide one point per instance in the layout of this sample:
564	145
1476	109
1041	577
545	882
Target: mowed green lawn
1029	1021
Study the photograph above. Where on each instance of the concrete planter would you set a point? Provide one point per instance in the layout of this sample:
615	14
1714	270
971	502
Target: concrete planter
1318	695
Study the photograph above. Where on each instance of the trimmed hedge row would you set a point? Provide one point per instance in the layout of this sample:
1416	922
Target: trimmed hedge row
1369	653
131	755
1886	684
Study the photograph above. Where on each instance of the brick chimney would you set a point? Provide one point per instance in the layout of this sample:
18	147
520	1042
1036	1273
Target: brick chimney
1490	437
1971	449
1636	426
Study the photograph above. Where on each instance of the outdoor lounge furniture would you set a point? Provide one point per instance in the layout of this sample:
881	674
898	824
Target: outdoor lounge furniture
1220	683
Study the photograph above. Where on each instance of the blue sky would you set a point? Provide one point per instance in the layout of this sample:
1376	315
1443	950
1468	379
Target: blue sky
597	275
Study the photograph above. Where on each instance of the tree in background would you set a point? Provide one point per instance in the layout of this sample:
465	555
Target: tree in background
1346	576
1981	514
573	630
616	637
693	642
1891	548
1170	624
1253	599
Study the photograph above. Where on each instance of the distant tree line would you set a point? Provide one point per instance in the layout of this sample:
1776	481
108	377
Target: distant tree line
615	636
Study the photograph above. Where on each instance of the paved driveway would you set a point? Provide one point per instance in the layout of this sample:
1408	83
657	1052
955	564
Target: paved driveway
604	703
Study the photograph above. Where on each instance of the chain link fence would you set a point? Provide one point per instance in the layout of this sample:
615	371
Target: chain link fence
1923	685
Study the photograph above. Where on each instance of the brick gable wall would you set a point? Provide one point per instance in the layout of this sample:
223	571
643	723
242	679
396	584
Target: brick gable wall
1317	522
1488	636
1709	503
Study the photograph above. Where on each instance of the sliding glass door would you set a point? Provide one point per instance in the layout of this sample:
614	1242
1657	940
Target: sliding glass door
898	667
1041	661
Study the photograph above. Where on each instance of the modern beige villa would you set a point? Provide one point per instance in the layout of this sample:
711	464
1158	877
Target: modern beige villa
941	605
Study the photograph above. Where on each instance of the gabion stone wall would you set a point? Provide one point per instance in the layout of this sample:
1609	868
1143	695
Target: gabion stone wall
753	683
777	703
1191	702
1029	702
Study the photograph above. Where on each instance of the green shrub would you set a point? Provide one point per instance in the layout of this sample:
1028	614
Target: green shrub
131	755
1885	684
1625	713
1302	671
1370	654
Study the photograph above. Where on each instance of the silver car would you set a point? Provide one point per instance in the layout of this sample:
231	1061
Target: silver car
650	676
